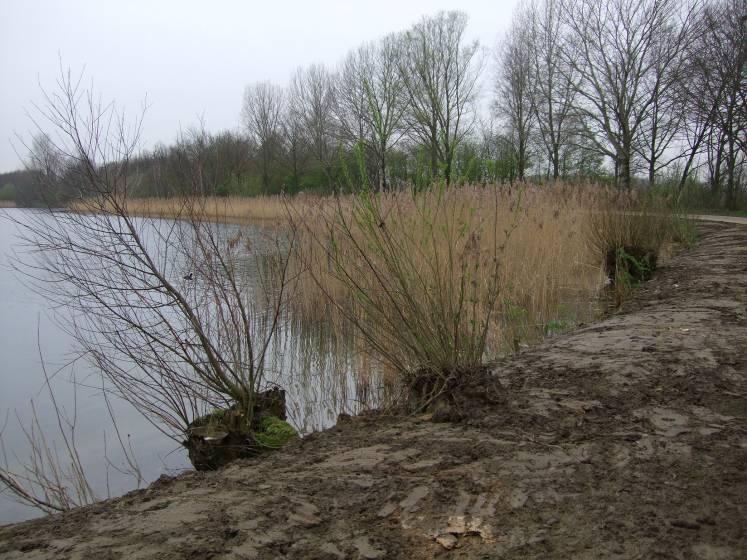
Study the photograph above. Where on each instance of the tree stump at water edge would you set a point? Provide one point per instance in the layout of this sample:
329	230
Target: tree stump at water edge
218	438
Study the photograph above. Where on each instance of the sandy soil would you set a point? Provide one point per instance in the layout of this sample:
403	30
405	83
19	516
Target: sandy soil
624	439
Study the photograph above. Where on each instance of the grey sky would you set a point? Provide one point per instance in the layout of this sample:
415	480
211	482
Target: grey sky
192	58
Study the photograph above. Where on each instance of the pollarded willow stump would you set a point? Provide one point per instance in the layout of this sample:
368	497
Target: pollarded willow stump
216	439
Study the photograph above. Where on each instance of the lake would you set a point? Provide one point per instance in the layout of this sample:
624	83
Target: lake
306	360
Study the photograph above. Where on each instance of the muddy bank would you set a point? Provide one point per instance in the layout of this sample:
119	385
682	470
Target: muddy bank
623	439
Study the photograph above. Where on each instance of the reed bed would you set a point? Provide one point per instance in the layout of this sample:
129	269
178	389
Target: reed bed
7	204
550	271
224	209
445	280
430	285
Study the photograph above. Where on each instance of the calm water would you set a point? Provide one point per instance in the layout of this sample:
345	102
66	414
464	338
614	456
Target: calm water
308	362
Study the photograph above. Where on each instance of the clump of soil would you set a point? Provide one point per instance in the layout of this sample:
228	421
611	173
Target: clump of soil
216	439
450	396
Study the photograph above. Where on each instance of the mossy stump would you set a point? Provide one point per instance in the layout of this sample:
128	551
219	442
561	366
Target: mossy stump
216	439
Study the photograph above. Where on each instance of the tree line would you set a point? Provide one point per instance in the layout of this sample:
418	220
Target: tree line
655	87
625	91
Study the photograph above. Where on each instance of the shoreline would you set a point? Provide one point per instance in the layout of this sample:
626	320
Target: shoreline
623	438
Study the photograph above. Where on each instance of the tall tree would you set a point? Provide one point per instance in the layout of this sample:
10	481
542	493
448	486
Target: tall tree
663	120
439	69
371	102
352	112
385	97
611	51
351	104
514	88
262	115
313	93
553	79
724	67
295	149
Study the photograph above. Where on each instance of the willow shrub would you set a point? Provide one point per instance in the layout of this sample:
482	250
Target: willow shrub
420	274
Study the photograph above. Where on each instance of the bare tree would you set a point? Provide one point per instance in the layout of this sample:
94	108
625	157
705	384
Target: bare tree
553	81
44	158
313	94
294	144
262	114
440	69
164	309
351	113
385	95
663	120
612	52
515	88
721	61
370	101
699	103
351	104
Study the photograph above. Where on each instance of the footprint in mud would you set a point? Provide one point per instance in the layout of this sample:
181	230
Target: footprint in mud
666	422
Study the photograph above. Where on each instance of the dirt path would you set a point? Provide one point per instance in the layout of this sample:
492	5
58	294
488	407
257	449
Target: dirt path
624	439
722	219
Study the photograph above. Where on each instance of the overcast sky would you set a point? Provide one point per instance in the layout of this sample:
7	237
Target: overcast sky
192	58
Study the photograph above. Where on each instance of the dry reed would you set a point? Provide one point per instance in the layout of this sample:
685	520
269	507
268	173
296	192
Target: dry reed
550	271
224	209
548	277
549	242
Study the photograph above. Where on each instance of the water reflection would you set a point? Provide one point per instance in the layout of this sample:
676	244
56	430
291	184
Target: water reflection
315	361
320	371
311	360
